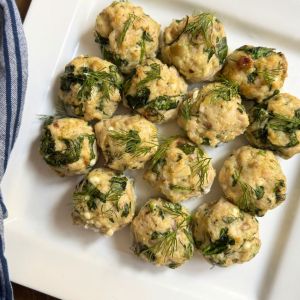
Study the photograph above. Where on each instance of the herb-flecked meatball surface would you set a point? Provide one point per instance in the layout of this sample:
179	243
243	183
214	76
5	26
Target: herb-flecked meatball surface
68	145
196	45
127	35
127	142
224	234
259	71
213	114
180	170
90	88
104	201
253	180
275	125
155	91
162	233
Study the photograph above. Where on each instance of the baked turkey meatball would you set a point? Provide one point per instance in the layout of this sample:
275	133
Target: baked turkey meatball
155	91
275	125
196	45
253	180
162	233
90	88
104	201
68	145
180	170
224	234
259	71
127	35
213	114
127	142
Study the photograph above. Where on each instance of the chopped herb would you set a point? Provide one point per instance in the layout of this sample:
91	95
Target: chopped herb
252	77
152	74
228	219
222	50
146	37
175	187
70	154
257	52
140	99
126	26
220	245
126	210
187	148
270	75
114	58
103	81
186	109
131	141
278	190
225	90
259	192
161	151
200	167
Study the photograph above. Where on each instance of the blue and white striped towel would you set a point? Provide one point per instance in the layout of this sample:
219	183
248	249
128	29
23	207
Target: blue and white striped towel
13	79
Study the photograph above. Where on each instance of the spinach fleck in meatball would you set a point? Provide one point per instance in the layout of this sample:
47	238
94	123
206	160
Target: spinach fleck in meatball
104	201
259	71
155	91
275	125
68	145
196	45
213	114
127	35
224	234
90	88
127	142
162	233
253	180
180	170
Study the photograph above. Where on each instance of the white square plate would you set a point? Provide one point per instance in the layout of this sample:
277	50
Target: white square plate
47	253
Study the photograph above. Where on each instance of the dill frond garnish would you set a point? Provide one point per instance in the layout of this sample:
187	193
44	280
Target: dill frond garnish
152	74
161	151
249	195
270	75
225	90
257	52
126	26
186	109
132	142
88	79
200	167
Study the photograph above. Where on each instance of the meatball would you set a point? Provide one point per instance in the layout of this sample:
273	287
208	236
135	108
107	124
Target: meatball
127	142
90	88
162	233
196	45
260	72
224	234
155	91
104	201
68	146
213	114
253	180
127	36
180	170
275	125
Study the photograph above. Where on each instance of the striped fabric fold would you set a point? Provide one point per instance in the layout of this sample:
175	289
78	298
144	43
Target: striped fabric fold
13	80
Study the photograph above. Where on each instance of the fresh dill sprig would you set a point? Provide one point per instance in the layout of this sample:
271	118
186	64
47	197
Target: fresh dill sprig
127	24
185	109
132	142
200	167
88	79
270	75
146	37
161	151
257	52
152	74
246	201
226	90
